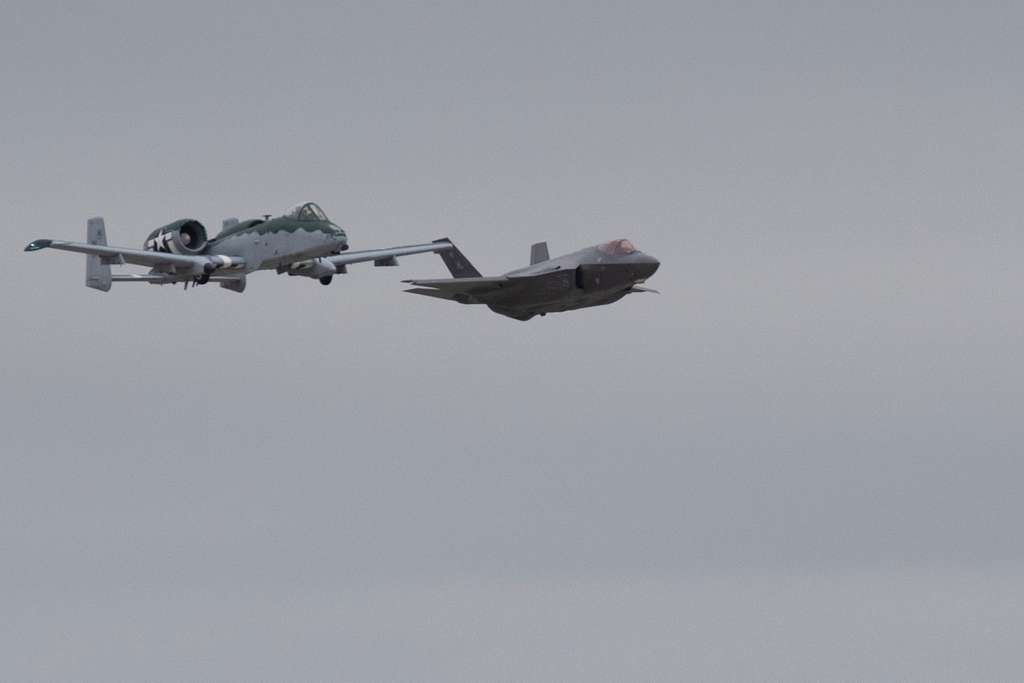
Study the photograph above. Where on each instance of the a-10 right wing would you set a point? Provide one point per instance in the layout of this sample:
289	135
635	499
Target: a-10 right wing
327	266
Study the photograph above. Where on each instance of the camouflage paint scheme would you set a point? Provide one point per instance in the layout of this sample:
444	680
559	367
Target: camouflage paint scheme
594	276
302	242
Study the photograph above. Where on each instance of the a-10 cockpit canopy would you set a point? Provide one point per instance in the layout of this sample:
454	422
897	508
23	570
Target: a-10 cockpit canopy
306	211
618	248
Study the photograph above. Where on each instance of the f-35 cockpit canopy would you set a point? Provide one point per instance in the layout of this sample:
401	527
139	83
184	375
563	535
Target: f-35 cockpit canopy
618	248
307	211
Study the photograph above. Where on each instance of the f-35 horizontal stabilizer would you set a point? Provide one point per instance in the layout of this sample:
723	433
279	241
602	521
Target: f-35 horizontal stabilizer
465	290
461	297
464	284
539	253
97	272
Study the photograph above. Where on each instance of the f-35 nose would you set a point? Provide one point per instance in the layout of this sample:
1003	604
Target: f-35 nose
646	266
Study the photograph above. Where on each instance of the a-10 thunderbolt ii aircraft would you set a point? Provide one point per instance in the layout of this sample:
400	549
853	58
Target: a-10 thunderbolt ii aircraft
302	242
594	276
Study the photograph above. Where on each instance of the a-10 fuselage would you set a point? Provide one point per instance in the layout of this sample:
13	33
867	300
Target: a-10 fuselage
260	243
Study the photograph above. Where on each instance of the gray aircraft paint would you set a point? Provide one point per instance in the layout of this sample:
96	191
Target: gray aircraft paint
593	276
270	248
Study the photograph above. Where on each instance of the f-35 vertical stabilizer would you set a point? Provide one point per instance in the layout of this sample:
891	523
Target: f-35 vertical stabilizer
539	253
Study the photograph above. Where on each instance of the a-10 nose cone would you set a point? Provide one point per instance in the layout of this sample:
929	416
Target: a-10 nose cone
340	237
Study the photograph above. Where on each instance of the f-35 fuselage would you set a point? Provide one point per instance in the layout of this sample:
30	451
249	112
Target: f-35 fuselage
594	276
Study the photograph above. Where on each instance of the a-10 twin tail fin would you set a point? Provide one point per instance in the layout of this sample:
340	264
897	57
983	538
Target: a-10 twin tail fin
97	271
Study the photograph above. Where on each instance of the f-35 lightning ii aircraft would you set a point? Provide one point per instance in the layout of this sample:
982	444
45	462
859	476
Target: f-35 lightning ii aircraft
590	277
302	242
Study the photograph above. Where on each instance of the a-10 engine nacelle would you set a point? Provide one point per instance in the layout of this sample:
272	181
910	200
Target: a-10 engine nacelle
187	236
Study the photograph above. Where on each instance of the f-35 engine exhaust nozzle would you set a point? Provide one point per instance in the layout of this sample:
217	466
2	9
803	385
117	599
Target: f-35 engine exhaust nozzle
186	236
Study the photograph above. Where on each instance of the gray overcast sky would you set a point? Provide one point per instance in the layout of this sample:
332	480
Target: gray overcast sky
801	461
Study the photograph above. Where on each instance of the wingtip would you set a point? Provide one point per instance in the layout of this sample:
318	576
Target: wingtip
36	245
